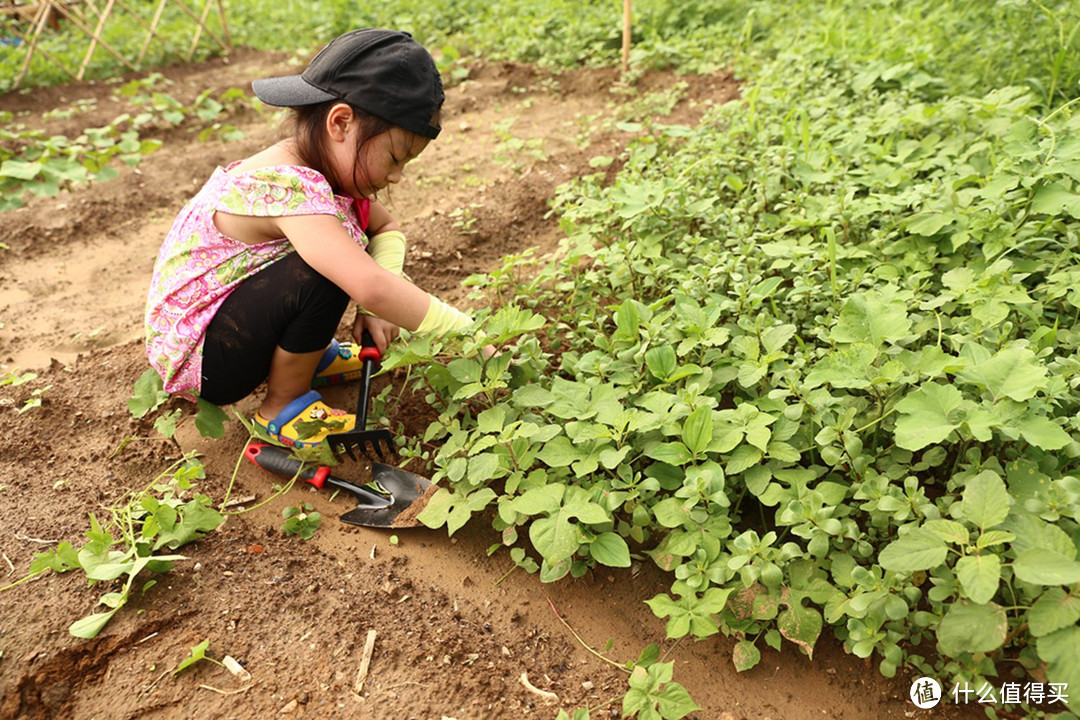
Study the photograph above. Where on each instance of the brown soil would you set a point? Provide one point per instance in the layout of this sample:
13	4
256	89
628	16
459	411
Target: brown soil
453	635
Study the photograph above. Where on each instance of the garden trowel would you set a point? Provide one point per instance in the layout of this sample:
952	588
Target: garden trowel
392	498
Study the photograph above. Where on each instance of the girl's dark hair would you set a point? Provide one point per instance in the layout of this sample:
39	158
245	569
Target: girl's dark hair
314	149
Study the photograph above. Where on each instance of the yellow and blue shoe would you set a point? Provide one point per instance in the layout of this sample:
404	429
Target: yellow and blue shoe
306	422
340	363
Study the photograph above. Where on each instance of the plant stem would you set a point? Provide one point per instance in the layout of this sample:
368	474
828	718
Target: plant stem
505	575
235	472
26	579
279	493
583	644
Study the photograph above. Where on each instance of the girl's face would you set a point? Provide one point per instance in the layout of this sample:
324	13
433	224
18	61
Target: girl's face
382	160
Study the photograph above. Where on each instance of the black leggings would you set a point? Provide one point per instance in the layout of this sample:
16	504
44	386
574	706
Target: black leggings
287	305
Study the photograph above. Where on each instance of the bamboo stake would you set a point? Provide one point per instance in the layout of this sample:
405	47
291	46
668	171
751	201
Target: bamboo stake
32	39
153	31
94	38
138	19
78	23
626	35
224	26
201	22
198	30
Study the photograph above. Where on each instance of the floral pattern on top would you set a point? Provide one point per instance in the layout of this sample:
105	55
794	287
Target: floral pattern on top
198	266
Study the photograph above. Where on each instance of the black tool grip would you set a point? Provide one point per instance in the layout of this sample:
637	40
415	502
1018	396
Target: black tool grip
279	462
369	352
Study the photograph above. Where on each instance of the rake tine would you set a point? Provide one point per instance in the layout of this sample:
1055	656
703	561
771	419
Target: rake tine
374	448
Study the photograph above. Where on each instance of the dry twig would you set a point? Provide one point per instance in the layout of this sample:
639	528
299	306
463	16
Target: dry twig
365	663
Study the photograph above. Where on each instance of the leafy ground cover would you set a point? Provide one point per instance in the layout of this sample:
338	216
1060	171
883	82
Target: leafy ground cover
815	358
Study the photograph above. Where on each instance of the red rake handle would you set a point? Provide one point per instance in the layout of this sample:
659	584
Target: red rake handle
368	349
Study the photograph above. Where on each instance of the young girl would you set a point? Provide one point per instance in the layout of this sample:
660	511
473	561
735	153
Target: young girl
255	276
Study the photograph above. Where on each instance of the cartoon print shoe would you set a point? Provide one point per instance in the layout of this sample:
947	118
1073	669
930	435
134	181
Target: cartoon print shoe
339	364
306	421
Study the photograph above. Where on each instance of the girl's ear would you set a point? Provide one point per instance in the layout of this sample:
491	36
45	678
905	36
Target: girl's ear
338	121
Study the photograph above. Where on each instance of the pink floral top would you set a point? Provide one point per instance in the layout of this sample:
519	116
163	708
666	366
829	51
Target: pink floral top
198	266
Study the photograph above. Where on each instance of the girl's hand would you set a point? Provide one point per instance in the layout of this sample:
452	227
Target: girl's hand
382	331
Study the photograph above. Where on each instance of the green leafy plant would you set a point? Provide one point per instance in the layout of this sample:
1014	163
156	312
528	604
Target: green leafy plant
301	520
828	385
653	696
15	378
138	535
32	162
148	395
197	654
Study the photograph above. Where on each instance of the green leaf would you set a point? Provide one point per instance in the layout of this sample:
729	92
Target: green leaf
20	169
1058	649
62	559
91	625
661	362
166	423
949	530
539	500
991	538
553	572
559	535
920	549
454	509
871	318
483	467
844	367
210	420
1055	609
672	453
972	627
148	395
652	695
801	625
1044	433
927	416
690	613
1055	199
985	501
670	512
1046	567
610	549
198	652
929	224
979	576
744	458
560	452
745	655
196	519
1014	373
107	566
698	430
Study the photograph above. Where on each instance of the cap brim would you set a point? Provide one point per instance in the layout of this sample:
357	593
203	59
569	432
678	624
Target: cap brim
290	91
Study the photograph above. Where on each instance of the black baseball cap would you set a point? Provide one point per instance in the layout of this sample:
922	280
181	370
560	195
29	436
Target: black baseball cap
385	72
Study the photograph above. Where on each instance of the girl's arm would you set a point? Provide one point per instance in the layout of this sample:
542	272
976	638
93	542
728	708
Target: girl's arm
325	245
380	220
